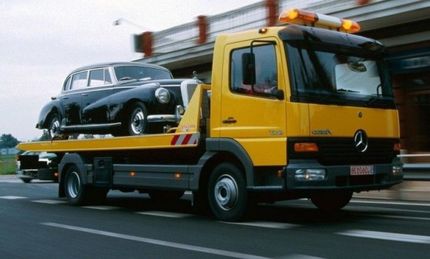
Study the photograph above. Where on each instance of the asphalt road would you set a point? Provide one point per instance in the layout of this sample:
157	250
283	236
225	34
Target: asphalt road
34	223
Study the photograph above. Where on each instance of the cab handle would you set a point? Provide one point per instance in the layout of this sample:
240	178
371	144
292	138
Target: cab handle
229	120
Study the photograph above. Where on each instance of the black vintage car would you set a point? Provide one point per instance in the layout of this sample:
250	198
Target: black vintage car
126	98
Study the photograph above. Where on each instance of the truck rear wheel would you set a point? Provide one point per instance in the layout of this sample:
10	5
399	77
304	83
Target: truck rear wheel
227	195
79	194
331	201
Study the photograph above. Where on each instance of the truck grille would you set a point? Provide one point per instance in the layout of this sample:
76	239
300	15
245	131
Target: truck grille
341	151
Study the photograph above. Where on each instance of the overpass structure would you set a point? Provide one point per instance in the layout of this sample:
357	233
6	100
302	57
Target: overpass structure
188	47
401	25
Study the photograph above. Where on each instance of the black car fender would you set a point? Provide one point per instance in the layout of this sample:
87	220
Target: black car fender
53	106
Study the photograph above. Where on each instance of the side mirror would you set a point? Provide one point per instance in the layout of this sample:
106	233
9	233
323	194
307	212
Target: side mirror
248	68
279	94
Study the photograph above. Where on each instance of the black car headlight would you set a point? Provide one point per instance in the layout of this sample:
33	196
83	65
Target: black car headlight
162	95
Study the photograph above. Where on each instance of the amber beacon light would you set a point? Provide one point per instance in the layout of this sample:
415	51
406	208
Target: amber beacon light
304	17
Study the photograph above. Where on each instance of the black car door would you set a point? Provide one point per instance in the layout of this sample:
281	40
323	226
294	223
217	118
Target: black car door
99	87
71	99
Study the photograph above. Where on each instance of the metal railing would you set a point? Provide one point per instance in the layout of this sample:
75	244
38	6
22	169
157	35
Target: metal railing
417	171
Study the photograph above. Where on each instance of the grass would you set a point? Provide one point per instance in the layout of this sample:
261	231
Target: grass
7	164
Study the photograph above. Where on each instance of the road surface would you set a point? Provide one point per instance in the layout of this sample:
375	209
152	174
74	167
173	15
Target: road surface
35	223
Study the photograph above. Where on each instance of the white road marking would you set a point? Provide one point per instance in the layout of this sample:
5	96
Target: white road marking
387	236
158	242
164	214
299	256
11	181
12	197
380	209
392	203
401	217
100	207
50	201
264	224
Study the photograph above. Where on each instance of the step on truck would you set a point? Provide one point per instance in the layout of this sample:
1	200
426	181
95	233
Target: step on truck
300	110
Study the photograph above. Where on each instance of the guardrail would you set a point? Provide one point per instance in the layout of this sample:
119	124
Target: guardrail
416	171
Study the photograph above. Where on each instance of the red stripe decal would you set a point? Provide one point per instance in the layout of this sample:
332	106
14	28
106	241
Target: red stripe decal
186	139
174	139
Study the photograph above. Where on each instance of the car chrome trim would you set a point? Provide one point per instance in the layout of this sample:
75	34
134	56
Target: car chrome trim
91	126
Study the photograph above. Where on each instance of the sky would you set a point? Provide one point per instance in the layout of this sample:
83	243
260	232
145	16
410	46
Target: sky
41	41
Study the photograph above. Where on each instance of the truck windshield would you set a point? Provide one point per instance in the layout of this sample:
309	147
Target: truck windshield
140	73
336	73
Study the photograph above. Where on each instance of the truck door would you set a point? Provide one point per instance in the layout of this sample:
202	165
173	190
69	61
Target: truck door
250	113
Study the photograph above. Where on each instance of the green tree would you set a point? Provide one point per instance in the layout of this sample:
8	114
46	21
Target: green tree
8	141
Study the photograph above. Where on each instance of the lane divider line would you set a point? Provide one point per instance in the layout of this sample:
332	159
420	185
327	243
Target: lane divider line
263	224
100	207
157	242
164	214
9	197
50	201
387	236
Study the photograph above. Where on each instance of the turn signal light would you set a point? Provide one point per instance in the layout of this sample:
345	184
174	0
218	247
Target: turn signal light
305	147
304	17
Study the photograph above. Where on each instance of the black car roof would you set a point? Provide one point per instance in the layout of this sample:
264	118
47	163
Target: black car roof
119	64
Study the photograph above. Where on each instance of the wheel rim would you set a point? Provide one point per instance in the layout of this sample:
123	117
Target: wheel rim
73	185
54	127
226	192
137	122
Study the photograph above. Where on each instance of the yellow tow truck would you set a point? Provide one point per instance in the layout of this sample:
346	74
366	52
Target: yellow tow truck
301	110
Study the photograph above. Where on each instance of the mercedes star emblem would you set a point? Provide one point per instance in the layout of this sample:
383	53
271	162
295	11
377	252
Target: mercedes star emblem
360	141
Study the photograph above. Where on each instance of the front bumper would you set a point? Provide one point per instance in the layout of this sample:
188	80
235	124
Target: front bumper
41	174
338	177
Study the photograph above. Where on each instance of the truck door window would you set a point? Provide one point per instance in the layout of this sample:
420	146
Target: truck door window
266	78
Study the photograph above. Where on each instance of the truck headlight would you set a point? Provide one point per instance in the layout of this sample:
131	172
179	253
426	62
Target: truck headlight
304	175
162	95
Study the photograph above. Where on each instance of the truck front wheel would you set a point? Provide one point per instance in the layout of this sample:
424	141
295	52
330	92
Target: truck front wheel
227	195
331	201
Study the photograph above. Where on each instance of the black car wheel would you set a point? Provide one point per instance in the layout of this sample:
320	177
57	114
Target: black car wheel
54	125
137	120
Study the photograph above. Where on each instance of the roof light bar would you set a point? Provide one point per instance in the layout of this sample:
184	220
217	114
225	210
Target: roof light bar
304	17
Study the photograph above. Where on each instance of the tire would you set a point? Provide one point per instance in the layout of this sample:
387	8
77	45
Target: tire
54	125
165	196
76	192
331	201
136	122
227	194
79	194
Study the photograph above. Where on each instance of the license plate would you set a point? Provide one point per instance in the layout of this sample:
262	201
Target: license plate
361	170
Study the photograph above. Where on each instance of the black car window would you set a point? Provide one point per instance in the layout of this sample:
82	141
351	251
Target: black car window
139	72
107	77
97	77
79	80
66	85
